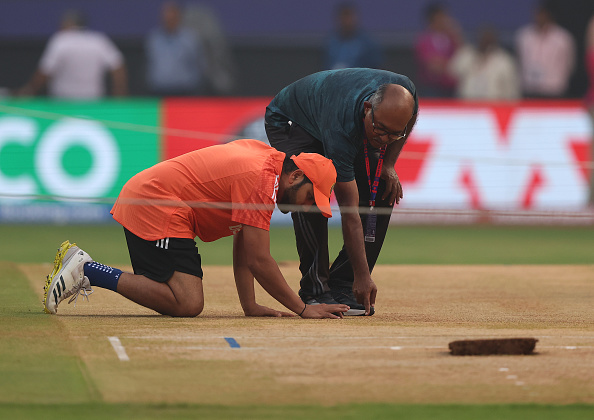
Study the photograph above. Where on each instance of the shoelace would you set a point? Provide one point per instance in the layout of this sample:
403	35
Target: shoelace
79	289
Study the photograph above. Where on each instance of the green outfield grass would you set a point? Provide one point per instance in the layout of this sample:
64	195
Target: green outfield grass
91	411
43	378
403	245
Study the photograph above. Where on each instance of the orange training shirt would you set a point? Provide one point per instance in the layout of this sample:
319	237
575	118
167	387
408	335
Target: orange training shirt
169	199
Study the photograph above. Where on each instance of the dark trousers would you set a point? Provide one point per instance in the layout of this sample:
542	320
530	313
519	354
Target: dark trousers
311	229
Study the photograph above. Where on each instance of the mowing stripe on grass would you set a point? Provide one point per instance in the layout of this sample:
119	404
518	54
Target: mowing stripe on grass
377	411
38	361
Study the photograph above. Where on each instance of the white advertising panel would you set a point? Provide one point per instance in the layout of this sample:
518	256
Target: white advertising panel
525	156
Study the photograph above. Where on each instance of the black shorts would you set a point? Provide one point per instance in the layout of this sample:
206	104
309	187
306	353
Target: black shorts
292	140
157	260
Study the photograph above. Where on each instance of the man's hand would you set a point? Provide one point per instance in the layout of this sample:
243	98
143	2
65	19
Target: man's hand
324	311
393	186
259	310
365	293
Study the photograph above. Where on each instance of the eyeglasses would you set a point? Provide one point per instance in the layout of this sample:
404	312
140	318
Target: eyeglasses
382	132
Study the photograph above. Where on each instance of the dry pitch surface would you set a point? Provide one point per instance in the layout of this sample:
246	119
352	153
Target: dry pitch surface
400	355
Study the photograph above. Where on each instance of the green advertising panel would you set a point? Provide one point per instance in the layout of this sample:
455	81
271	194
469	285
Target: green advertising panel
77	150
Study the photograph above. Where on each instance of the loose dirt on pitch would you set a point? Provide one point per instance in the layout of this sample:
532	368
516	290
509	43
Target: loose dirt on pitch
400	355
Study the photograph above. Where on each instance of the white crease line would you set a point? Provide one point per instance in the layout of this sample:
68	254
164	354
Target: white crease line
299	348
567	347
119	349
202	337
292	348
584	337
342	347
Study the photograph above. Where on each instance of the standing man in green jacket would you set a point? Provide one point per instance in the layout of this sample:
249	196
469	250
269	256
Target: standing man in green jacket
360	119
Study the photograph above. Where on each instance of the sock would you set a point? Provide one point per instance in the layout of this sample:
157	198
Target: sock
102	275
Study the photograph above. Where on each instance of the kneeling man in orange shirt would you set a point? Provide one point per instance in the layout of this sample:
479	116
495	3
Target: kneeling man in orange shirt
223	190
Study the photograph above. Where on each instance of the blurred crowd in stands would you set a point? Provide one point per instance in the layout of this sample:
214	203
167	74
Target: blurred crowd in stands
188	55
450	65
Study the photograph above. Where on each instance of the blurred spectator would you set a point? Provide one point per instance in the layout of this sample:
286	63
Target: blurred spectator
486	71
349	46
433	50
220	69
75	61
176	62
590	98
547	55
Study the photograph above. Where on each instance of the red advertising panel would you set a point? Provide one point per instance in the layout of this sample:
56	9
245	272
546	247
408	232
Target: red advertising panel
190	124
464	155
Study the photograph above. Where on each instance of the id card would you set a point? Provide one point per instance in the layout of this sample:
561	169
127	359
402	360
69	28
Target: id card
370	225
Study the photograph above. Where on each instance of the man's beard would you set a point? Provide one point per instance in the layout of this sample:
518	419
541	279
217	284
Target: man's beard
287	202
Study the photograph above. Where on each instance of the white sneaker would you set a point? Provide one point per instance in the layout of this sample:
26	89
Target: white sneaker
67	278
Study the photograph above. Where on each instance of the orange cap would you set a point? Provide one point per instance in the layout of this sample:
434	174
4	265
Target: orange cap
321	172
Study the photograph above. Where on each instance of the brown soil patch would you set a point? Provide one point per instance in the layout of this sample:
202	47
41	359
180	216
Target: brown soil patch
399	355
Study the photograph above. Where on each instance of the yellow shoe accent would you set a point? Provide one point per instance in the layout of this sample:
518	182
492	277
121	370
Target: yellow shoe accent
58	260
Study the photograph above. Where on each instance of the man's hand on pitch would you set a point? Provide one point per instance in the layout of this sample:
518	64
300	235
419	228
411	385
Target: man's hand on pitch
365	294
393	186
259	310
324	311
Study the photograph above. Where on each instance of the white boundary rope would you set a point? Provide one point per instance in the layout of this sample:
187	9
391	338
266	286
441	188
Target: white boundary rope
517	216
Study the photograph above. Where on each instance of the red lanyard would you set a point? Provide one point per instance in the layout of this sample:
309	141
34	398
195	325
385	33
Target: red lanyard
378	172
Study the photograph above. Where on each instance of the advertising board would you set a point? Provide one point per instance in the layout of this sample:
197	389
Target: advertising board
462	155
516	156
53	153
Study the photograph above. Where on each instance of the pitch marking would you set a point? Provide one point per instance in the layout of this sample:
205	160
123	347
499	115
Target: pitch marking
232	342
119	349
330	337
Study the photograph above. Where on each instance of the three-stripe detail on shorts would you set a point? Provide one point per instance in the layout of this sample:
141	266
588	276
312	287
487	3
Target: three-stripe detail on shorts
163	243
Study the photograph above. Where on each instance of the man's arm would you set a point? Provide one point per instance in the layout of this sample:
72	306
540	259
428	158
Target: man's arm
364	288
33	86
393	186
244	281
251	258
119	81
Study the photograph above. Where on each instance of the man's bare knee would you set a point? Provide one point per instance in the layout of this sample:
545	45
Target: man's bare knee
189	309
187	290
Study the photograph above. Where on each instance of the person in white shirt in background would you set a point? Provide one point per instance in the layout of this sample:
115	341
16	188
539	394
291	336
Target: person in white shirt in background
485	71
547	56
74	63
